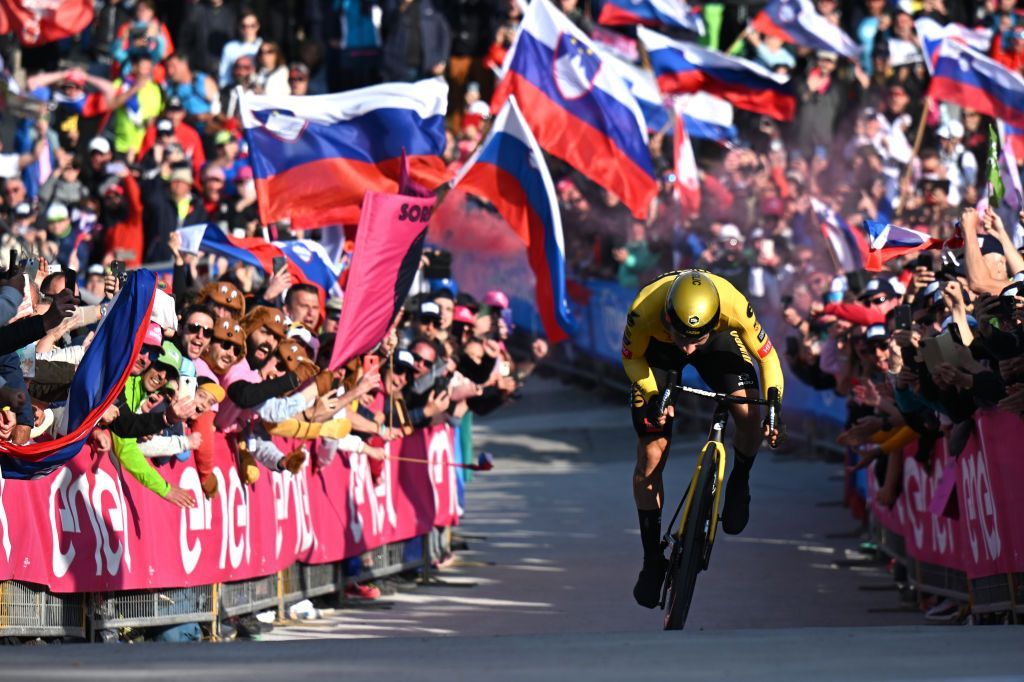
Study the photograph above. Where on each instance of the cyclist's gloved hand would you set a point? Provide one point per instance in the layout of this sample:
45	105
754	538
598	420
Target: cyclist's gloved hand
654	418
772	423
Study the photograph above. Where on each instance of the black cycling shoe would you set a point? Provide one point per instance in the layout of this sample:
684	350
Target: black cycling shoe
647	590
737	504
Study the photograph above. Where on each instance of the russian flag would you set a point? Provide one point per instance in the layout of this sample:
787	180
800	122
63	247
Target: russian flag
687	175
850	247
670	13
308	262
685	68
579	111
970	79
508	170
97	382
314	157
706	117
889	242
799	23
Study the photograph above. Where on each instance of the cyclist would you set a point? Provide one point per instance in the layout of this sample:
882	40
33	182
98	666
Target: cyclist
692	317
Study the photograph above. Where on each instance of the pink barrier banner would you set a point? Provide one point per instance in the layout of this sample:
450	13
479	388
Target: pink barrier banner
88	528
981	534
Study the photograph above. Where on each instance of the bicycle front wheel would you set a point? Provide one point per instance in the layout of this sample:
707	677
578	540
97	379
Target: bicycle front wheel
688	559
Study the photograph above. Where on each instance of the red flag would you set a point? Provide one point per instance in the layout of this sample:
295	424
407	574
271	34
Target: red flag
389	243
37	22
687	175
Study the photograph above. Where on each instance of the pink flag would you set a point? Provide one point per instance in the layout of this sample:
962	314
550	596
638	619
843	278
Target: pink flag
389	243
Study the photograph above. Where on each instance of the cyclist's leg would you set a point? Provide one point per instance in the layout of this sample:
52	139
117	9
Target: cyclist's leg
725	365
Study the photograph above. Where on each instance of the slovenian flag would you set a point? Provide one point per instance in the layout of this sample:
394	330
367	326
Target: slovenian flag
970	79
508	170
580	111
668	13
707	117
314	157
799	23
686	68
307	260
932	33
643	87
97	383
889	241
849	246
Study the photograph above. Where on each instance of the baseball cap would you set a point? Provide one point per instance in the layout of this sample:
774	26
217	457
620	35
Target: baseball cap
215	390
464	315
171	356
174	102
95	269
164	125
429	309
496	299
951	130
244	173
181	175
213	170
100	145
23	210
404	361
154	336
298	70
56	212
334	304
875	286
730	231
74	77
828	55
223	137
111	185
875	332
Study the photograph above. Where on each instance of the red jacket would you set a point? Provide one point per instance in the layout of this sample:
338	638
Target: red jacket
855	312
127	235
190	141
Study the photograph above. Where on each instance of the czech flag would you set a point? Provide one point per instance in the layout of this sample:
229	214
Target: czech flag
308	262
706	117
799	23
849	246
687	175
97	382
685	68
314	157
669	13
580	111
508	170
889	242
970	79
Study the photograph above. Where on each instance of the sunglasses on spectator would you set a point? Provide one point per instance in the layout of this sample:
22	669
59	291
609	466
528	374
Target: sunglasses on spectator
199	330
227	345
420	358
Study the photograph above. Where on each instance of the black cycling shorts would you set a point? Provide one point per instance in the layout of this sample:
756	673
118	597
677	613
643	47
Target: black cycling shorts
723	363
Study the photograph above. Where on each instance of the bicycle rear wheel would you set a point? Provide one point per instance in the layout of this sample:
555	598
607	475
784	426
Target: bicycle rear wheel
688	555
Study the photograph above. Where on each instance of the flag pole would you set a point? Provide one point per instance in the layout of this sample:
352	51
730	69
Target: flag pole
918	139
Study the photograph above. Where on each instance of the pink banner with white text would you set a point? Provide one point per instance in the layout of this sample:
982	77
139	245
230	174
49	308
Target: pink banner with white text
87	527
964	512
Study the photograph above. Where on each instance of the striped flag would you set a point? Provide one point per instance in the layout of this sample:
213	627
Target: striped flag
687	175
97	382
799	23
890	241
849	246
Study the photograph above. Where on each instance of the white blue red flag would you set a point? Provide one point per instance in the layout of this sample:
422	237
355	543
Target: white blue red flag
932	33
687	175
799	23
970	79
307	261
889	241
706	116
97	383
580	111
849	246
686	68
508	170
668	13
644	89
314	157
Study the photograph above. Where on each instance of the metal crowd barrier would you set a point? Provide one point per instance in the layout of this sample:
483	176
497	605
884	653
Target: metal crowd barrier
28	610
1003	593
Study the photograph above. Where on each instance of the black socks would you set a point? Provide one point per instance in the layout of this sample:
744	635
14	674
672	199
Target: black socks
650	532
741	467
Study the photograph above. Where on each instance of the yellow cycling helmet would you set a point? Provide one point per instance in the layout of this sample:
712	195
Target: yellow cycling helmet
692	306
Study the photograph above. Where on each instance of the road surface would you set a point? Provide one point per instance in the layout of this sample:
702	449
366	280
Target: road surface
544	592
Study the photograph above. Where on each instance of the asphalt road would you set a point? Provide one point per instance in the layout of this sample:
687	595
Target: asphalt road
544	592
